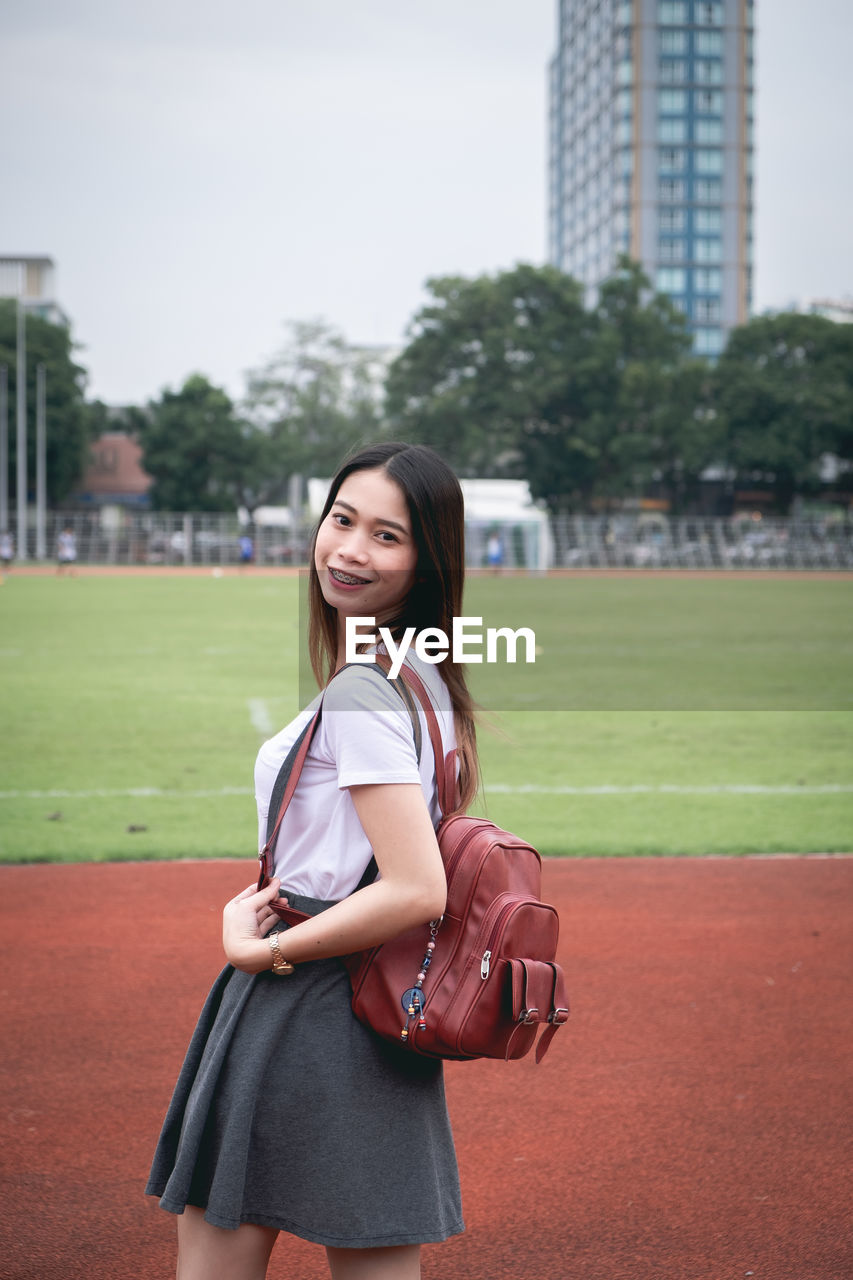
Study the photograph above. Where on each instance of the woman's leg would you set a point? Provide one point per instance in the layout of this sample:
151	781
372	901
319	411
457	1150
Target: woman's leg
205	1251
402	1262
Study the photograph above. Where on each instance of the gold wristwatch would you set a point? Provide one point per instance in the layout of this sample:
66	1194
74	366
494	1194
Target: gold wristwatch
279	965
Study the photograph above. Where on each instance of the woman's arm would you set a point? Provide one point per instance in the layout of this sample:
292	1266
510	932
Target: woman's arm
412	889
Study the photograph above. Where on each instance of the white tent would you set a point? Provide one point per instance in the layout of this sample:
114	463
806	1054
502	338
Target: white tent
505	508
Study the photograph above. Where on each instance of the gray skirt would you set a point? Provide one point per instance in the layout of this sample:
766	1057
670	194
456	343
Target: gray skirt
291	1114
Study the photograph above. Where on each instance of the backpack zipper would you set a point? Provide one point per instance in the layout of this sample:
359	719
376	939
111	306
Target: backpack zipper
490	929
503	915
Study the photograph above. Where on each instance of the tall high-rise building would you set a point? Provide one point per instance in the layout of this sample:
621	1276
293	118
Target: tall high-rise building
651	150
32	280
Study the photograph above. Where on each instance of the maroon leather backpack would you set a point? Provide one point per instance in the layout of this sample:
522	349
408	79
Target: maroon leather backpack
480	982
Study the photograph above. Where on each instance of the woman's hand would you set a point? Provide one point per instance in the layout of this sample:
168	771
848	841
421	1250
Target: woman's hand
246	920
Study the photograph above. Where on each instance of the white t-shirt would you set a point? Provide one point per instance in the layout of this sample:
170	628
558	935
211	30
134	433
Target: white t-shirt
365	736
66	546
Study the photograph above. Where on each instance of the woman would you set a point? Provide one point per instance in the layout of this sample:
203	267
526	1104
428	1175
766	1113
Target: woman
289	1115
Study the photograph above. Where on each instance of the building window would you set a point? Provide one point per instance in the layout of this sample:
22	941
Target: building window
708	71
672	101
707	221
708	250
707	191
707	310
625	72
708	102
624	102
672	130
707	280
625	13
673	42
708	130
623	191
708	342
672	160
624	132
672	219
708	44
671	250
671	189
105	459
706	161
673	12
708	14
671	280
673	71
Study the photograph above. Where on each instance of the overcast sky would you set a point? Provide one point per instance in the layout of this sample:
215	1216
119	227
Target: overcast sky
203	171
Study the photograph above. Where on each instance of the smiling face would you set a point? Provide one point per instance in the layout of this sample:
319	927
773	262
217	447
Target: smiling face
365	554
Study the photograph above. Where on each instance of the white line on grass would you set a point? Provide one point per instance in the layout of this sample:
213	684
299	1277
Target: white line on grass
673	789
133	793
733	789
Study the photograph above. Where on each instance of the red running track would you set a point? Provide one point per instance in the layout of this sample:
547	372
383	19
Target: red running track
692	1121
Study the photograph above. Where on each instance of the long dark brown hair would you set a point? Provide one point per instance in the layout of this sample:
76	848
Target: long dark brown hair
436	510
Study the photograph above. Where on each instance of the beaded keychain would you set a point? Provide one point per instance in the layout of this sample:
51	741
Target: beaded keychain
413	1000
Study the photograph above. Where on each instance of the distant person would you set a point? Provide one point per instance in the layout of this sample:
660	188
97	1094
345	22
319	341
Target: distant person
247	550
289	1114
7	553
66	551
495	551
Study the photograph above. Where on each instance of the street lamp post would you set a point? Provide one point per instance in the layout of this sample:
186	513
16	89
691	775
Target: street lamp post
4	448
21	432
41	460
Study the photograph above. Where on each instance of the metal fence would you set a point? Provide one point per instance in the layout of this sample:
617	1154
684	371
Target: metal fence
570	542
661	542
167	538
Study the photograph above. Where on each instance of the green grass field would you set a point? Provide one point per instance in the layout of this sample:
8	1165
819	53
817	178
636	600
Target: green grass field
663	715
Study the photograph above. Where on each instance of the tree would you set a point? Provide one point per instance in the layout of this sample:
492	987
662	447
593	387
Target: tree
67	423
103	418
784	392
199	453
310	405
490	374
511	375
647	396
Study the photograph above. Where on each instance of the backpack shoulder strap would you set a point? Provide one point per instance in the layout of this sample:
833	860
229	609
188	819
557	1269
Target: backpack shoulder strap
445	765
290	772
